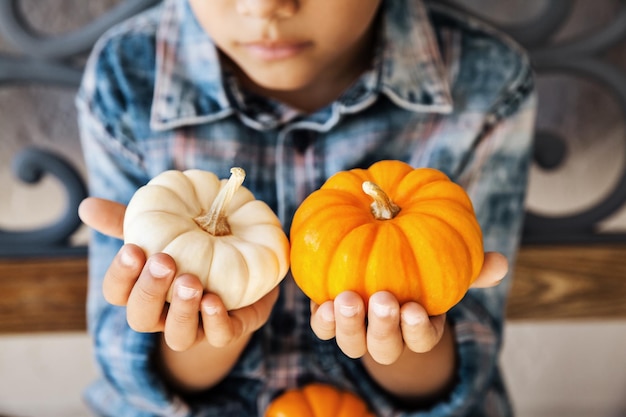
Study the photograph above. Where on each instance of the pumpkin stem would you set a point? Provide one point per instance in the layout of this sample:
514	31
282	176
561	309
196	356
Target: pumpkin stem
382	207
215	221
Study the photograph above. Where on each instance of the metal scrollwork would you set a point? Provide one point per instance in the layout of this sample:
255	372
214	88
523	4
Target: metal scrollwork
30	165
580	57
50	60
15	28
47	59
539	30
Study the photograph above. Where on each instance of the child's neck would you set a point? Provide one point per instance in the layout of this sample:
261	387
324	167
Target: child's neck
309	98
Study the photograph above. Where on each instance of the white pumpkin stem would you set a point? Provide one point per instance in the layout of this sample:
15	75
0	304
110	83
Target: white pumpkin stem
382	207
215	221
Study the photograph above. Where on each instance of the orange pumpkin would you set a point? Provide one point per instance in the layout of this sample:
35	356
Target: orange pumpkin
390	227
317	400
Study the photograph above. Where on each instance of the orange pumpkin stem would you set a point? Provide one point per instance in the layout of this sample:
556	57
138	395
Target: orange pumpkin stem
382	207
215	221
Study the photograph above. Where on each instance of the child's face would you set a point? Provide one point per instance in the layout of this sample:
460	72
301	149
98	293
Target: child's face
292	45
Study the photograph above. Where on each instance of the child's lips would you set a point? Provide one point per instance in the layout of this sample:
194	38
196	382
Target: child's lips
271	51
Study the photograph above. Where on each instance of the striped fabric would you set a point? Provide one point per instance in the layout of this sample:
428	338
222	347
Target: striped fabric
445	91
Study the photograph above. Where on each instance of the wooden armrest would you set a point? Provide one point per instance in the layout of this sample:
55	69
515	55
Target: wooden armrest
43	295
550	282
569	282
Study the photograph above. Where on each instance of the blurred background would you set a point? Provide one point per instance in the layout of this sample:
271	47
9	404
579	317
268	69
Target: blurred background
553	367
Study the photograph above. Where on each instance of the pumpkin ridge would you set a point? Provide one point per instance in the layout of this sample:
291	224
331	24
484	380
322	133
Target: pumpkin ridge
424	280
160	188
458	211
194	190
328	236
342	402
389	174
414	181
241	198
146	218
417	207
360	269
346	181
245	278
369	284
203	276
343	197
433	191
414	267
463	243
158	204
314	391
131	219
205	186
309	408
241	218
228	242
185	232
265	247
352	405
312	206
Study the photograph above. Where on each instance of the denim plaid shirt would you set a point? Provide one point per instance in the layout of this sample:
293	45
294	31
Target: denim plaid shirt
445	91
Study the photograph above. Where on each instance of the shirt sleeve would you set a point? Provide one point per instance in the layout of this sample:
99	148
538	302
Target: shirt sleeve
129	385
497	181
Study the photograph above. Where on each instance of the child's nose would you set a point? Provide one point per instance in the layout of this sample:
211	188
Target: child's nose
267	9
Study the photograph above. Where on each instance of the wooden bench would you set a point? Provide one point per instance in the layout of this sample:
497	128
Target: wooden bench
550	283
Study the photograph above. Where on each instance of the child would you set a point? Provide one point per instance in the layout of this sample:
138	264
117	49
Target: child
293	92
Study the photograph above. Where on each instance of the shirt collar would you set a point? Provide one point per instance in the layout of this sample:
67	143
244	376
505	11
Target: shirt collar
191	86
412	71
188	77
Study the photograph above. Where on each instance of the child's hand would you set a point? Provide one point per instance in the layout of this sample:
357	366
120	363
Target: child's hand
142	287
142	284
390	327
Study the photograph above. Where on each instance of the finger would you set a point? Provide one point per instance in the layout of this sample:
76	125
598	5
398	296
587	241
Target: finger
384	337
122	274
323	320
251	318
350	324
495	268
105	216
217	324
420	332
147	298
181	323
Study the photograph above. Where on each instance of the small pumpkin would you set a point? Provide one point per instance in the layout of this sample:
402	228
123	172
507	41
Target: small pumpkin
317	400
212	228
391	227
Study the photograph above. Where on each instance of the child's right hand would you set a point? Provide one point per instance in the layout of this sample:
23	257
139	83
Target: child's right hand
142	284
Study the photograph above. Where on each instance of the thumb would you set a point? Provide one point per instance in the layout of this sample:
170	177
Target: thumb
105	216
495	268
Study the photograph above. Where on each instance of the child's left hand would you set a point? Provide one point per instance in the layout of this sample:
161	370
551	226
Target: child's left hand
390	327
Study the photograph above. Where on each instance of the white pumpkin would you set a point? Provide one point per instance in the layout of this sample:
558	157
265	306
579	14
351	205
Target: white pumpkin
214	229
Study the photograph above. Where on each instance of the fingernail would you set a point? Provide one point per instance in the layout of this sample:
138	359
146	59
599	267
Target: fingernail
158	270
348	311
186	293
327	315
210	310
411	319
381	310
126	259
